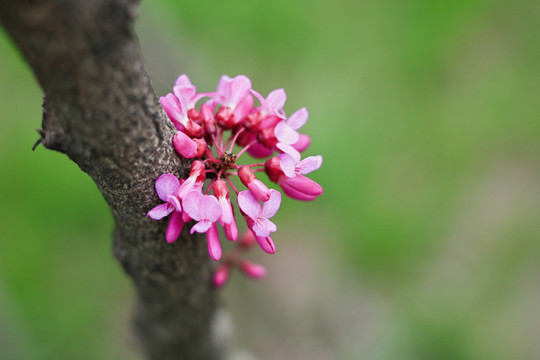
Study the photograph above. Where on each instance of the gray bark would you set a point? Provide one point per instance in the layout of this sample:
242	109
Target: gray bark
101	110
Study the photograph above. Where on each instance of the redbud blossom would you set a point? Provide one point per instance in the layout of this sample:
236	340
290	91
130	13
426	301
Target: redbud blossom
258	130
251	207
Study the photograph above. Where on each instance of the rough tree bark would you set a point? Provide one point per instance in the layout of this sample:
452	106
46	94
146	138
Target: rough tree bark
101	110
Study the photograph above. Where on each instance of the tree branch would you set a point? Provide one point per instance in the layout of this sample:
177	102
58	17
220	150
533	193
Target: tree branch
101	110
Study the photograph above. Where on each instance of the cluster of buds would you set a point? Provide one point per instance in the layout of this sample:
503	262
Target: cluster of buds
261	131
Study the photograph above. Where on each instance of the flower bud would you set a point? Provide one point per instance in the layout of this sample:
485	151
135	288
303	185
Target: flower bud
267	138
194	115
184	145
253	121
221	275
272	167
201	148
252	270
300	187
257	188
225	117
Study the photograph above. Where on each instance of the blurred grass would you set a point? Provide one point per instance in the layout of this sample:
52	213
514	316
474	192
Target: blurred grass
422	110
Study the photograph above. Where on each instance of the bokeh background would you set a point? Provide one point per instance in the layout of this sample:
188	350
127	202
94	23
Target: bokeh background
426	242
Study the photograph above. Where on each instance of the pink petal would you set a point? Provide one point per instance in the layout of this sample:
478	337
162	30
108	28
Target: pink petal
243	108
160	211
258	189
186	187
226	210
175	227
172	199
287	164
231	231
201	227
289	150
212	239
223	85
175	110
263	227
183	80
184	95
286	134
167	184
240	87
266	244
271	207
308	165
184	145
249	204
298	119
191	204
210	208
276	99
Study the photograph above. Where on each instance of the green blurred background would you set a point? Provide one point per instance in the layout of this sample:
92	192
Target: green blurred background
425	244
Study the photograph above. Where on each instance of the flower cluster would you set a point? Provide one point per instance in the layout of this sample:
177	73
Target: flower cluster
261	131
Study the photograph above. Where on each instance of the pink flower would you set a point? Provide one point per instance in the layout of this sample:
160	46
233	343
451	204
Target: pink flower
273	104
167	186
292	166
178	114
195	180
298	187
222	194
202	208
235	99
261	226
285	130
186	92
206	210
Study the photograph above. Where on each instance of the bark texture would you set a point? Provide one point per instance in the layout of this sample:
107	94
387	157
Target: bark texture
101	110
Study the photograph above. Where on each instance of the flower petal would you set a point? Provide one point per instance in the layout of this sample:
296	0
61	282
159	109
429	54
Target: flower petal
184	145
266	244
175	227
240	87
201	227
286	134
212	239
160	211
298	119
289	150
287	164
167	184
183	80
226	210
271	207
308	165
249	204
210	208
276	99
191	204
